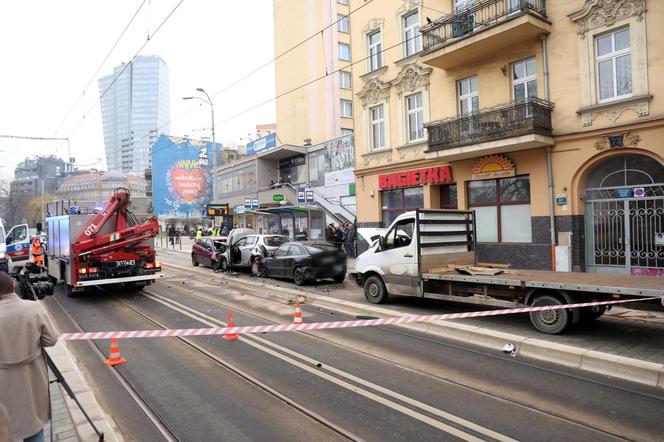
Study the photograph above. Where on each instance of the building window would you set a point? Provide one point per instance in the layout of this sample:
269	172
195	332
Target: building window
342	2
344	52
463	4
345	80
397	201
346	108
377	127
469	96
524	80
375	51
614	65
345	131
411	34
448	196
343	23
415	117
502	209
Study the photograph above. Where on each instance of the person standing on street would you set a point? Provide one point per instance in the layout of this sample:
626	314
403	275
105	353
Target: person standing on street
25	330
350	240
37	251
171	233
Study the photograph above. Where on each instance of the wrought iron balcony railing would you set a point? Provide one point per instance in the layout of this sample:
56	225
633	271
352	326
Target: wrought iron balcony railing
505	121
476	18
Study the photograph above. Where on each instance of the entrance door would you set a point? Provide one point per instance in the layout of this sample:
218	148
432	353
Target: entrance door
625	217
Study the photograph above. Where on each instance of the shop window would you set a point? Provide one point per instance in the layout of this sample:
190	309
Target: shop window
448	196
502	209
397	201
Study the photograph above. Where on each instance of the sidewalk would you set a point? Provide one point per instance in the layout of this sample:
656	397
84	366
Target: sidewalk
63	425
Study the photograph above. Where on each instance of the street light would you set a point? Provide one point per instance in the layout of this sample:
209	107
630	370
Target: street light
214	141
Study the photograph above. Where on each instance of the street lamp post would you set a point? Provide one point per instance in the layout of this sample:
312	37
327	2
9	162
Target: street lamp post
214	140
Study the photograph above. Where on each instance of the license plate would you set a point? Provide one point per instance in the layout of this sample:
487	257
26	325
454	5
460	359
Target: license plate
128	263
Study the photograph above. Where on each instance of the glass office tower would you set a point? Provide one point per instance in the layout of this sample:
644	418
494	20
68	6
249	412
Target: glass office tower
135	109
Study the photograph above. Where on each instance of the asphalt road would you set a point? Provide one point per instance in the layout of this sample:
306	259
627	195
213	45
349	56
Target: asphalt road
623	332
369	383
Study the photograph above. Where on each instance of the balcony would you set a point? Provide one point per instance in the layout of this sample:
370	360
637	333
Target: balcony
505	128
481	30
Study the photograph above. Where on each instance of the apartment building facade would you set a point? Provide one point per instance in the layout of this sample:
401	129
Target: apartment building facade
545	118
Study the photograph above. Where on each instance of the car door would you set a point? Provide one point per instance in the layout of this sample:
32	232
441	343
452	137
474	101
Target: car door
18	243
397	257
236	251
208	249
276	267
247	249
295	254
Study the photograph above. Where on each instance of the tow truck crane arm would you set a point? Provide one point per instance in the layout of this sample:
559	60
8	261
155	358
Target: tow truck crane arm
91	242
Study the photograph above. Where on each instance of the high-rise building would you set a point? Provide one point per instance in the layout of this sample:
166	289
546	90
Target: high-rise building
135	108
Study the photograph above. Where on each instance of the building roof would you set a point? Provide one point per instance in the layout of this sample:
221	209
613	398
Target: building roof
114	175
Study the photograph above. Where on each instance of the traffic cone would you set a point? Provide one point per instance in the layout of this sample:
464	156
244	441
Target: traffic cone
230	324
114	357
297	319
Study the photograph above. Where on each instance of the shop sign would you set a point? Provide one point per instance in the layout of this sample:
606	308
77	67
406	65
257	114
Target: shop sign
277	197
639	192
251	203
623	193
561	199
238	210
432	175
295	160
493	166
262	144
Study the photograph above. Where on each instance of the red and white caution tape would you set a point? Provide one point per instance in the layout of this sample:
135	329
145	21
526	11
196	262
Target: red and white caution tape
328	325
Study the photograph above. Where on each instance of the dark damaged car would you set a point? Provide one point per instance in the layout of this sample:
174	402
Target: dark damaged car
304	262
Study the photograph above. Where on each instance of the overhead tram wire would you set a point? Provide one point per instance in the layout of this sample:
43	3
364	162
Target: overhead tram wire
264	65
101	65
309	83
145	43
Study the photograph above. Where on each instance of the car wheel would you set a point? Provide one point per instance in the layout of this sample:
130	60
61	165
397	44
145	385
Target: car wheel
298	276
194	261
374	290
339	278
551	322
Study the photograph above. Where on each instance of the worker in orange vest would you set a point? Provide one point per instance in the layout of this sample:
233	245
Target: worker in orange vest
37	251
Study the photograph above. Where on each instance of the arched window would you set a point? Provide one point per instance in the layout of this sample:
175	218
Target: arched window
628	170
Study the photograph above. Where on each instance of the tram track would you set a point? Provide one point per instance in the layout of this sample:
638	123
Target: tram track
158	421
395	330
213	322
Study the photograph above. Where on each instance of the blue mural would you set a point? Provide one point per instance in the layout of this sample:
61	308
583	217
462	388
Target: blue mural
181	176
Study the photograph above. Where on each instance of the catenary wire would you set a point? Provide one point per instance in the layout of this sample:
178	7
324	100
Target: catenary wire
101	65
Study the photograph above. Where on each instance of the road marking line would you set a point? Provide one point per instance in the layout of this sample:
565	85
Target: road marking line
211	321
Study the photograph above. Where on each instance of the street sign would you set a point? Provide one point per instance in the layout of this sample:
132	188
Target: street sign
623	193
309	195
217	209
300	196
254	203
247	203
277	197
639	192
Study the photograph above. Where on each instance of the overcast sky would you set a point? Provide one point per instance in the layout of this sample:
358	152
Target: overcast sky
50	50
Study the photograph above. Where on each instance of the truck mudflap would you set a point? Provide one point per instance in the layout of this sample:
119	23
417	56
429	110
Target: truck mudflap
357	278
94	282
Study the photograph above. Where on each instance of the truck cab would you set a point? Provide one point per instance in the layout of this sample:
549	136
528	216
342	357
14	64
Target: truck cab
415	242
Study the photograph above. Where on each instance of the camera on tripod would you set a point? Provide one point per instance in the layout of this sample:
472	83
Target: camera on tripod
31	282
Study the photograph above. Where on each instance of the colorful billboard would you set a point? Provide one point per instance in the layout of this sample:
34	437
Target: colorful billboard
181	176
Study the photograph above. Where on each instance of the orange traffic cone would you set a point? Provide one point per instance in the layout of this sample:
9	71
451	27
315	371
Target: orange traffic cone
297	319
114	358
230	323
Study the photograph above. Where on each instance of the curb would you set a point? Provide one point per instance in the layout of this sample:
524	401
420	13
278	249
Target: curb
69	366
630	369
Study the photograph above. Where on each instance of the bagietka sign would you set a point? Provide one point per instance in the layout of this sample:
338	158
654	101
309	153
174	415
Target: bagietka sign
417	177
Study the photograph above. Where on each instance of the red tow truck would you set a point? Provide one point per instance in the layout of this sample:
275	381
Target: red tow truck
92	246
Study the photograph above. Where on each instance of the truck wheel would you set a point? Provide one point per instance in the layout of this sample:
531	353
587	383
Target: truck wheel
69	292
298	276
194	261
374	290
551	322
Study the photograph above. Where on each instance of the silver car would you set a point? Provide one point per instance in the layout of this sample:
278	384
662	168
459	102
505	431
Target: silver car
244	248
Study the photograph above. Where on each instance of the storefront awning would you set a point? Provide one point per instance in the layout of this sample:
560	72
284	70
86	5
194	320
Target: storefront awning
290	210
284	151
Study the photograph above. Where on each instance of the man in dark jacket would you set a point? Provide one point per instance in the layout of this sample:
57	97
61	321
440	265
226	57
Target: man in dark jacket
350	240
171	233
